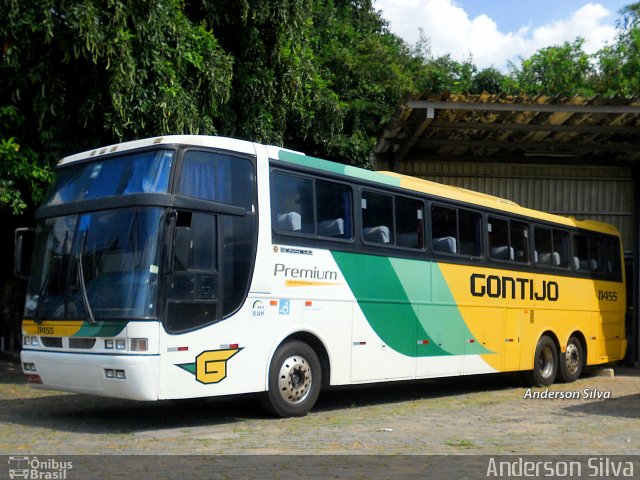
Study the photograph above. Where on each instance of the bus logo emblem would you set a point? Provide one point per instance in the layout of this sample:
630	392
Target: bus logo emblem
211	365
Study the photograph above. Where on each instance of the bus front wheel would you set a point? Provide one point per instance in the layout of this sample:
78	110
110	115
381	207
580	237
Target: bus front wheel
295	377
571	361
545	364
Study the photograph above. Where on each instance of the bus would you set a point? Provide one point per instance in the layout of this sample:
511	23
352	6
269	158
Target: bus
196	266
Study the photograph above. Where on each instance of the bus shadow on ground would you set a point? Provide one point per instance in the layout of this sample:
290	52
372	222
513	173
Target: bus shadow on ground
87	414
627	406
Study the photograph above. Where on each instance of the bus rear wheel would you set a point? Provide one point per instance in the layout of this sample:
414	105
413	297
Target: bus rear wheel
545	364
571	361
295	377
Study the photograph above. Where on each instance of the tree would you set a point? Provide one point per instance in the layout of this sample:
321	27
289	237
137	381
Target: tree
556	70
83	73
619	64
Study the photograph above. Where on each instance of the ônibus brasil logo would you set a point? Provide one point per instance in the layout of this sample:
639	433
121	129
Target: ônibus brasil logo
34	468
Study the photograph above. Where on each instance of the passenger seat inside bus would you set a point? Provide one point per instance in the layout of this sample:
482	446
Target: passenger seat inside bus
502	253
444	244
379	234
331	228
291	221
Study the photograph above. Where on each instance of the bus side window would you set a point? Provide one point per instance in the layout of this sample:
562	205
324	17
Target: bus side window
560	248
580	253
543	248
333	203
470	233
456	231
596	263
519	241
444	229
377	218
409	223
612	257
499	247
293	203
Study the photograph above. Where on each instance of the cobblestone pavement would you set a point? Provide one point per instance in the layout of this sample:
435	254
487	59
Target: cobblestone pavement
473	415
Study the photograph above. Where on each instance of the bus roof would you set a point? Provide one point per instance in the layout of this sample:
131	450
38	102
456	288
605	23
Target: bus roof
444	191
381	177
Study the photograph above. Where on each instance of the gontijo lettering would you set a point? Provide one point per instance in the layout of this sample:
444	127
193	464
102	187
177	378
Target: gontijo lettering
494	286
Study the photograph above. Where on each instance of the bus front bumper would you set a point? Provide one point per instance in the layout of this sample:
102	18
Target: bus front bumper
133	377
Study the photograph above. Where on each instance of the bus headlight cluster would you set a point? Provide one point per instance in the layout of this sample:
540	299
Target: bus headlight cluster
30	341
29	367
136	344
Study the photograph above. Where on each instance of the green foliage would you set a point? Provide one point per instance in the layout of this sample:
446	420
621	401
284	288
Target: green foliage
556	70
489	80
18	167
619	64
321	76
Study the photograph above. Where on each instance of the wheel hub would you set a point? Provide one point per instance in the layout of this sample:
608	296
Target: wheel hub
572	358
545	362
295	379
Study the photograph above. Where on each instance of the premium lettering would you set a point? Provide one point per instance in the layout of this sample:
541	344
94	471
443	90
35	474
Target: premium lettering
494	286
305	273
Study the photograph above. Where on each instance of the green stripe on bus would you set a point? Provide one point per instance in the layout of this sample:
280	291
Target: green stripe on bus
395	296
319	164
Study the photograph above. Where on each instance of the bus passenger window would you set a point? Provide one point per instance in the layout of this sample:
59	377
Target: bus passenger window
333	203
293	203
444	229
520	241
612	258
499	247
377	218
581	253
596	263
560	249
470	227
456	231
409	223
543	250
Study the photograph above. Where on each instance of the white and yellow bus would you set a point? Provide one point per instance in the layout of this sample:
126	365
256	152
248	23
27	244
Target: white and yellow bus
194	266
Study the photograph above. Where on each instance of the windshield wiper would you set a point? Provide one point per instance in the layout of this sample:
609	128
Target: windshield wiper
83	287
43	290
41	295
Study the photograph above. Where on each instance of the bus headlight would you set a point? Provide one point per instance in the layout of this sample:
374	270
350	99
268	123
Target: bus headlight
139	344
30	341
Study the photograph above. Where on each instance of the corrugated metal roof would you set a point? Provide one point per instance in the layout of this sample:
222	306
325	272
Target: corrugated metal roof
575	130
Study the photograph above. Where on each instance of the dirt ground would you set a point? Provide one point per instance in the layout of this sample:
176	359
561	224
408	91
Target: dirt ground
490	414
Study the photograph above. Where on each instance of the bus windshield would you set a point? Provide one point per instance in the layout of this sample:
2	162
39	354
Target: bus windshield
101	264
142	172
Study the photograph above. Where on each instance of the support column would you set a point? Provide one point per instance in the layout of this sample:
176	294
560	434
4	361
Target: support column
633	353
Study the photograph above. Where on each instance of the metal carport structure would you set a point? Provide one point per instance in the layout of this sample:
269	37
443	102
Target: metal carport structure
574	156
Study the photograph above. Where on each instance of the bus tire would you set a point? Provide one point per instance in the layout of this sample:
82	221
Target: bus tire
571	361
545	364
295	377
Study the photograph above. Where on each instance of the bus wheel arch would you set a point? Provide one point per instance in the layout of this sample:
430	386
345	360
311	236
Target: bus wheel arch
317	345
545	361
573	359
296	376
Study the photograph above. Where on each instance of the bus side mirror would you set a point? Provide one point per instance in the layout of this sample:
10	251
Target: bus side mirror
23	247
182	249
